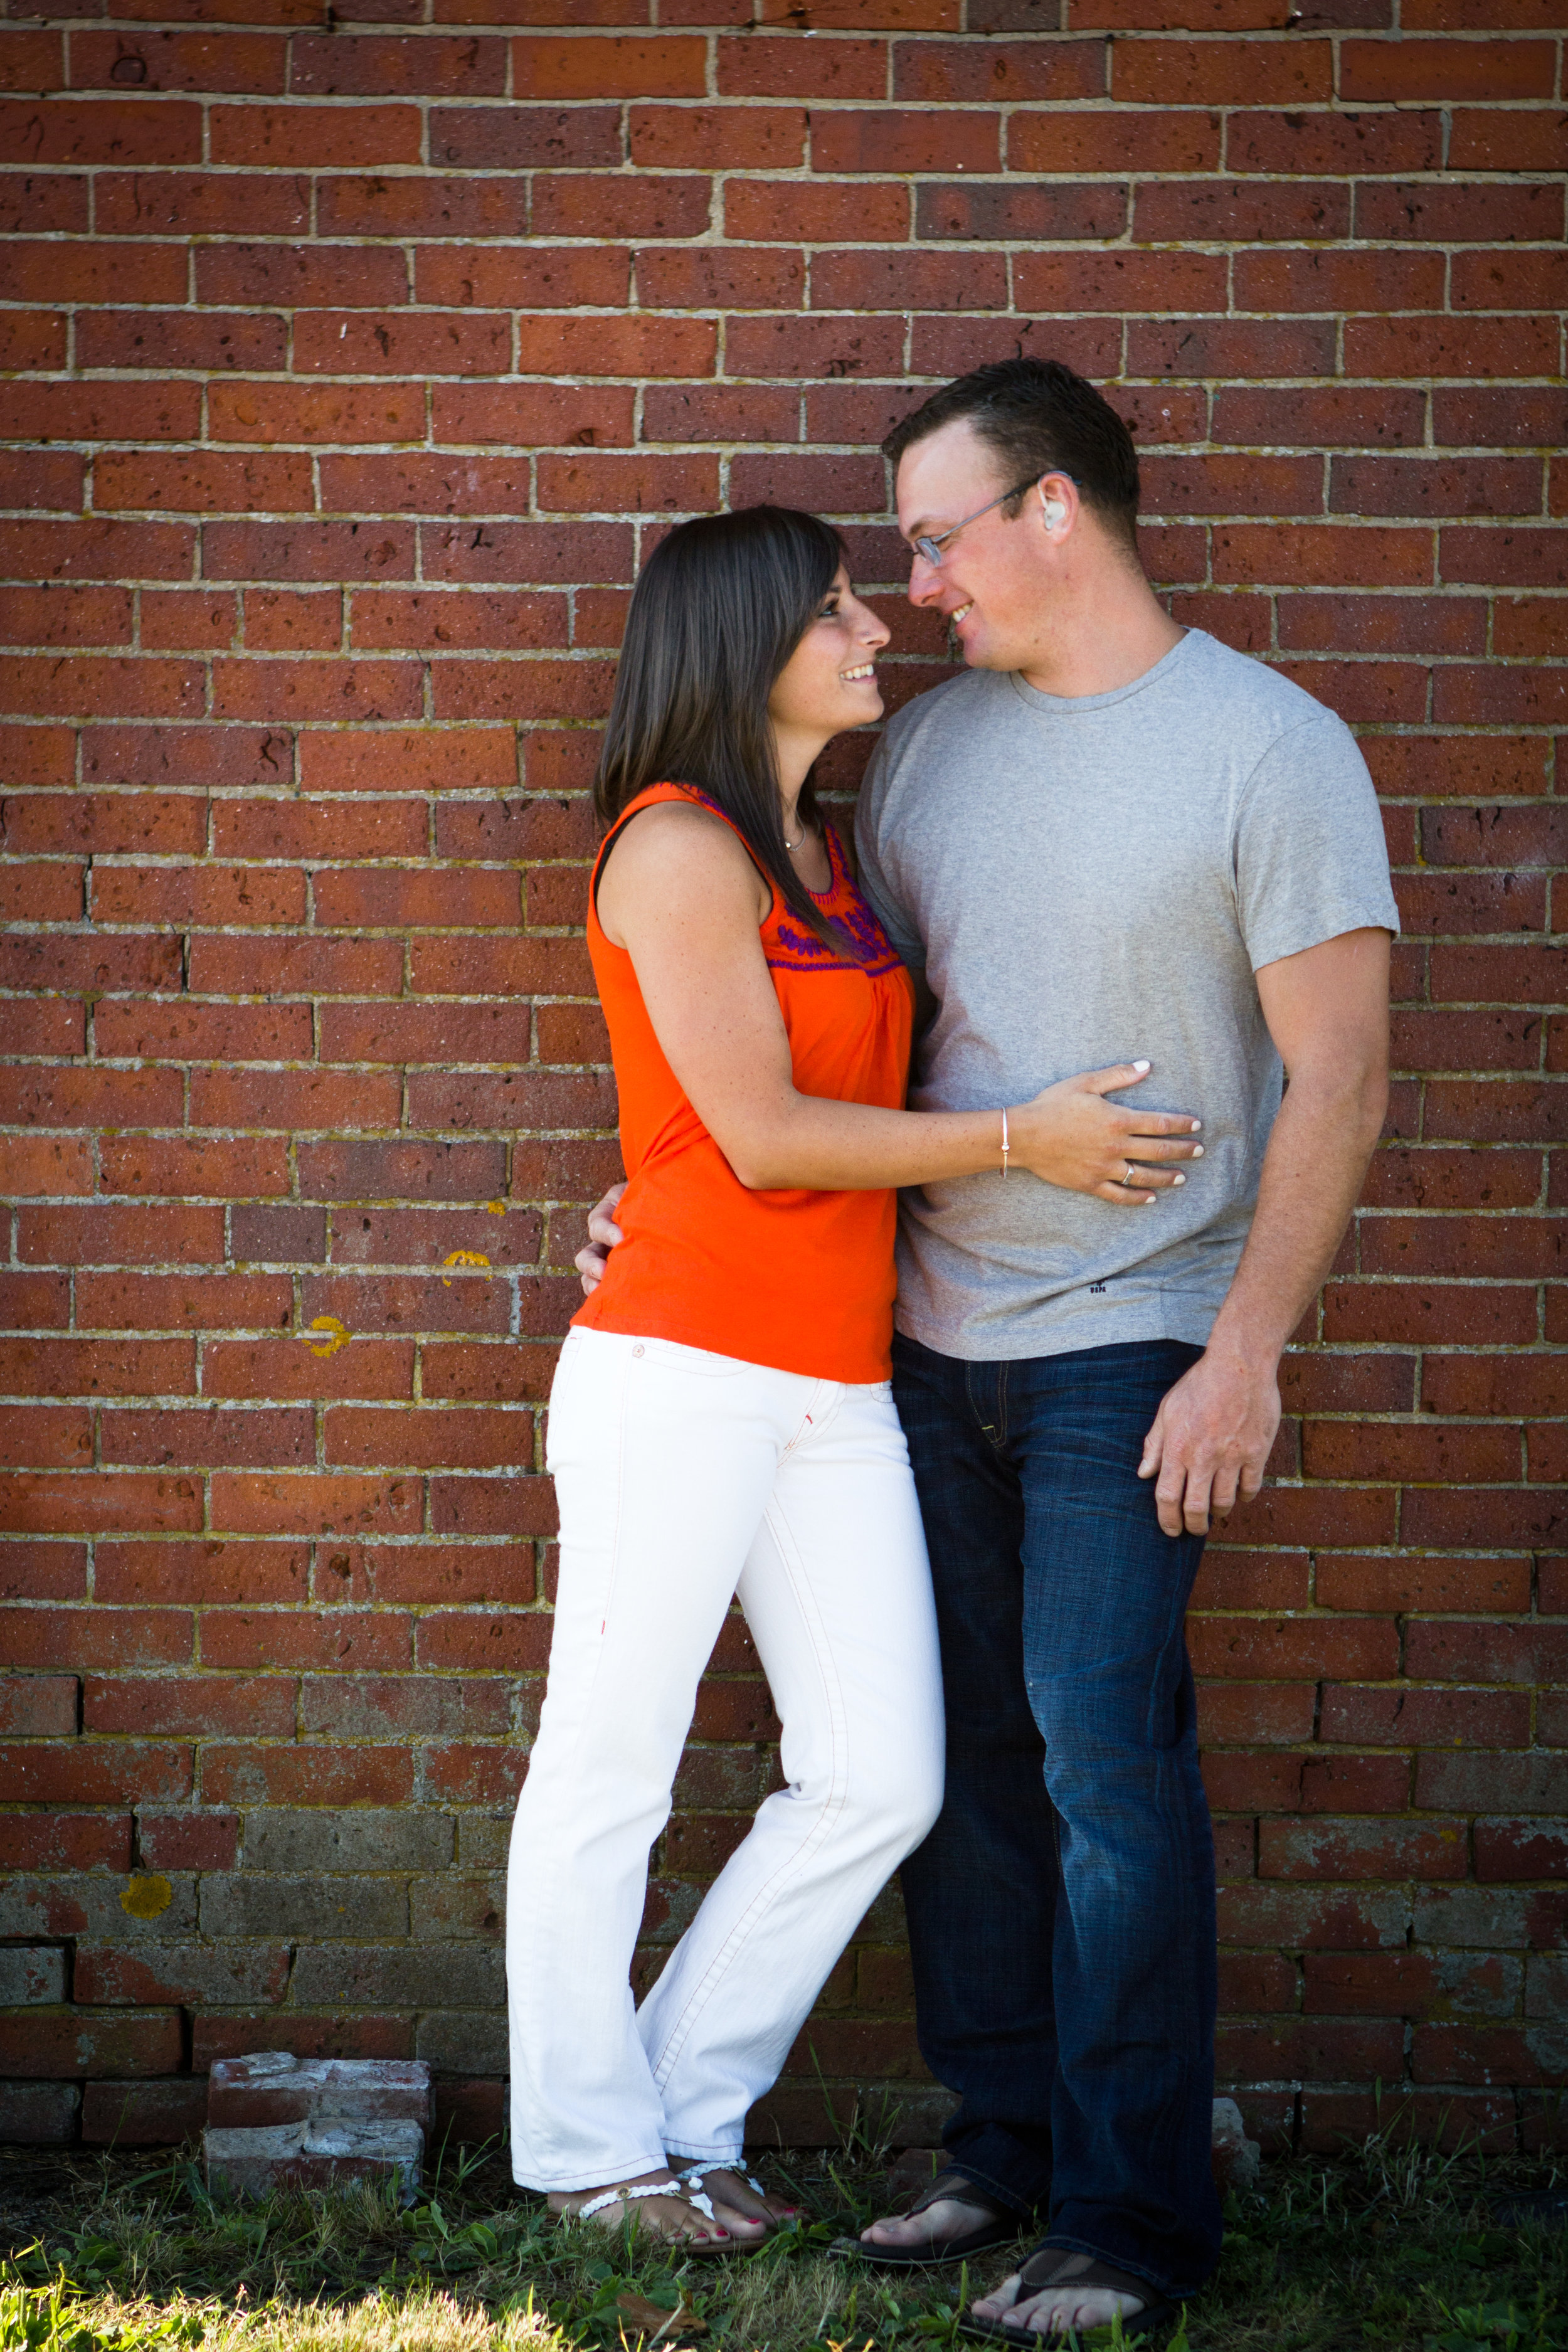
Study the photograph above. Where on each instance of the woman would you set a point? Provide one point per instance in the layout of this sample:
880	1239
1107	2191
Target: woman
720	1421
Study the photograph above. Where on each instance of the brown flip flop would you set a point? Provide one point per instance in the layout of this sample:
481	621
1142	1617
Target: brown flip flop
1055	2266
999	2229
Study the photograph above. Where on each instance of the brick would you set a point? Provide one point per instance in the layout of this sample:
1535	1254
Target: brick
1419	1716
275	2087
1247	211
577	204
1486	1651
1219	347
1254	73
143	203
224	1974
87	272
1353	1849
385	66
853	141
315	1839
313	2156
330	342
311	1772
761	66
28	1976
142	2114
91	2041
632	346
308	138
1507	140
1075	141
1455	212
128	131
188	1840
625	66
1311	141
521	138
1511	1849
1422	1584
206	60
39	2114
1415	1985
1412	69
532	277
100	410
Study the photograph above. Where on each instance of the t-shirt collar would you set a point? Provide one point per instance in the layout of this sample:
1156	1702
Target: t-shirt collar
1077	705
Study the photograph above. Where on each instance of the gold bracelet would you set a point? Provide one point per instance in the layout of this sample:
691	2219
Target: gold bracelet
1007	1147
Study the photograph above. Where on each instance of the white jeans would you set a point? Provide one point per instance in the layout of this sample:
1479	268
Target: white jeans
684	1477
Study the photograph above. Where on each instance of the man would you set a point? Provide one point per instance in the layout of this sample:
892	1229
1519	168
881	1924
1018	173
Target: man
1109	838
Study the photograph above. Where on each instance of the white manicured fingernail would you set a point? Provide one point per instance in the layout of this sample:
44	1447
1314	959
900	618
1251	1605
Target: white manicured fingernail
1178	1179
1198	1152
1142	1065
1197	1123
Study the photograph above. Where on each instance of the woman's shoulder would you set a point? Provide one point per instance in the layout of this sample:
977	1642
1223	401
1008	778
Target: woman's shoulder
672	851
683	826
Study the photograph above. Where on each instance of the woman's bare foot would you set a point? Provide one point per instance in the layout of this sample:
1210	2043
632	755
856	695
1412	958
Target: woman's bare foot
746	2212
934	2226
673	2220
1056	2309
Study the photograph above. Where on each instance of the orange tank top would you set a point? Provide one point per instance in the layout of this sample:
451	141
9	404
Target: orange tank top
800	1280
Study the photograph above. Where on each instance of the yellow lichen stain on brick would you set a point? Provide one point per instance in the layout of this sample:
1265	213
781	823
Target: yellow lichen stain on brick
147	1898
461	1258
495	1208
337	1335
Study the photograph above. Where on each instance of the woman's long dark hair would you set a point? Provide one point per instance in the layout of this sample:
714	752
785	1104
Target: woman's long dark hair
718	609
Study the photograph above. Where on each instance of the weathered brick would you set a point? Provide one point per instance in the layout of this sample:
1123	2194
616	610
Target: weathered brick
315	2156
276	2087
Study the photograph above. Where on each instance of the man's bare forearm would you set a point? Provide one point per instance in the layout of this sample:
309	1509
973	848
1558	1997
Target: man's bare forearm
1312	1174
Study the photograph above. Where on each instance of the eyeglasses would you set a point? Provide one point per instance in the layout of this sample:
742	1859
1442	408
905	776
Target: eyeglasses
929	549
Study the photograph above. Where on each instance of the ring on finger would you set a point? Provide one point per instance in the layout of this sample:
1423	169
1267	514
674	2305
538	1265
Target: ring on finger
1131	1176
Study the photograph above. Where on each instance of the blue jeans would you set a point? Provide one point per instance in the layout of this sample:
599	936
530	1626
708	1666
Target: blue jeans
1062	1910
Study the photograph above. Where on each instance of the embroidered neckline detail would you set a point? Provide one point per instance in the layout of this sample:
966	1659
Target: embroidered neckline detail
789	946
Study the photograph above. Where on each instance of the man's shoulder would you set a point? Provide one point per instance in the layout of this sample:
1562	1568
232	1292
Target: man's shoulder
1253	702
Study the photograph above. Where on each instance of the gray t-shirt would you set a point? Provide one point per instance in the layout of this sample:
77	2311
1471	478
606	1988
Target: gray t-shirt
1095	880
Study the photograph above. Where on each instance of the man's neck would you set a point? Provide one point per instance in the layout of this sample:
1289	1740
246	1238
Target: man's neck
1105	641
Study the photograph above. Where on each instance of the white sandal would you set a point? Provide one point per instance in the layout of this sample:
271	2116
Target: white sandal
682	2195
692	2177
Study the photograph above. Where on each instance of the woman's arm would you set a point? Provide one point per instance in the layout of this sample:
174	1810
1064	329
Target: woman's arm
681	896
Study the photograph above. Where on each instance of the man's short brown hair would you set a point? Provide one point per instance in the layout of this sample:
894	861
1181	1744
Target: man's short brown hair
1039	417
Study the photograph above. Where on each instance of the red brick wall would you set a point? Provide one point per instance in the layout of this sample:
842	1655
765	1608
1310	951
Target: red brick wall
354	365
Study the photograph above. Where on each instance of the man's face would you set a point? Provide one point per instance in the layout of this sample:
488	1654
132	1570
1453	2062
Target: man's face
994	582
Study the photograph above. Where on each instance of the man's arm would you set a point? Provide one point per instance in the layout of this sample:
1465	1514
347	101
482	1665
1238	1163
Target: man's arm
1327	1011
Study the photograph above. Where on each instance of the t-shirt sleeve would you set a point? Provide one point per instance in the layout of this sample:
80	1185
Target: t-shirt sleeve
1310	857
875	881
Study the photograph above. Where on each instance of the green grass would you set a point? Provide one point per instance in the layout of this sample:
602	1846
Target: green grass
1395	2248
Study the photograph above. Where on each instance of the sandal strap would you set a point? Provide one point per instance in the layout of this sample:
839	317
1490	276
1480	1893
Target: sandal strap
704	2205
962	2190
697	2173
1050	2266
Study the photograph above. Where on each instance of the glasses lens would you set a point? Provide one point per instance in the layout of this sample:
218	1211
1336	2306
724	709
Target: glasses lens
928	551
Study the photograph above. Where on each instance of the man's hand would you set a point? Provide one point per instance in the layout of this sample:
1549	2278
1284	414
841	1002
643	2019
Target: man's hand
603	1234
1209	1441
1327	1011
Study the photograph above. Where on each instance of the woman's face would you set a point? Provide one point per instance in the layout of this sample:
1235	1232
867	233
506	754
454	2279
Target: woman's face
829	681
